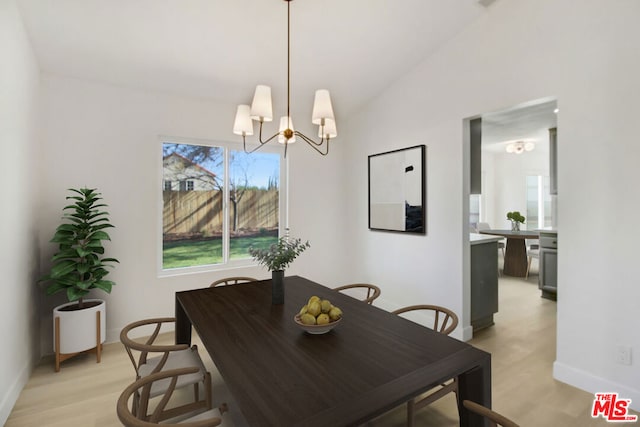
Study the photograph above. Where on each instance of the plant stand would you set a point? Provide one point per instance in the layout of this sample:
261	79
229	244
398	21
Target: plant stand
71	340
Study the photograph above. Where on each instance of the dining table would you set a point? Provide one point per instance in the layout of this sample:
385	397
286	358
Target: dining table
515	254
371	362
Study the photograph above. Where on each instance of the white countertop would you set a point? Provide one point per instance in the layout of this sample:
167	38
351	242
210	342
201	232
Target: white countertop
476	238
547	230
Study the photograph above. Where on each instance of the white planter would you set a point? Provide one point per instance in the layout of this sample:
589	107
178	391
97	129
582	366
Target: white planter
78	328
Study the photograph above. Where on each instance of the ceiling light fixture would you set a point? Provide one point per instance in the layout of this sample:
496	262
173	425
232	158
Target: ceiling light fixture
520	146
261	111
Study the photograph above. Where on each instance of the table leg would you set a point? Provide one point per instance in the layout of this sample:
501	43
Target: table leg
474	385
515	258
183	325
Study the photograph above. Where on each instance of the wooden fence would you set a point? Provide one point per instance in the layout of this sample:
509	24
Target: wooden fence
194	214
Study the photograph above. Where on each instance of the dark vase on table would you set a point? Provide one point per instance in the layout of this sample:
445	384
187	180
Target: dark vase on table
277	287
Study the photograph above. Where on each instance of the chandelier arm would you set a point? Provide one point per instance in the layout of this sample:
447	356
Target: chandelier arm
310	140
314	144
244	141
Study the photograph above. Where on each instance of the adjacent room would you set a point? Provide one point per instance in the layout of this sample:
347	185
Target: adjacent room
169	128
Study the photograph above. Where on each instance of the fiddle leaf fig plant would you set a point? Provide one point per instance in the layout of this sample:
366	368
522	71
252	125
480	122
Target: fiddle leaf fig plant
80	265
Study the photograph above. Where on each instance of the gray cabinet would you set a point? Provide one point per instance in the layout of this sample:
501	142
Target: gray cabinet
484	283
548	278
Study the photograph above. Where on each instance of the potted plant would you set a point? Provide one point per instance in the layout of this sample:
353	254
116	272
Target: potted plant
78	267
277	258
516	219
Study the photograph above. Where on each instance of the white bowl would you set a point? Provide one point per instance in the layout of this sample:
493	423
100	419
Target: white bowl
316	329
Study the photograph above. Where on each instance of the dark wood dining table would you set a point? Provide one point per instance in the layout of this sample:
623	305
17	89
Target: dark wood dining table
515	255
371	362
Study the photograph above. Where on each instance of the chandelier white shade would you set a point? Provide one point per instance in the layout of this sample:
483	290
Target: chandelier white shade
286	122
243	124
322	108
520	147
261	110
329	130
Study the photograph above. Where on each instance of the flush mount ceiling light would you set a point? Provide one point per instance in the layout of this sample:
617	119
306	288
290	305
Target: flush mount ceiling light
261	111
519	147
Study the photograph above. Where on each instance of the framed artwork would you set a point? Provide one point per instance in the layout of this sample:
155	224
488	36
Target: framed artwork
397	196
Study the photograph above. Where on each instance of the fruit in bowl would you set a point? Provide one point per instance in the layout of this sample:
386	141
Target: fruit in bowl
318	316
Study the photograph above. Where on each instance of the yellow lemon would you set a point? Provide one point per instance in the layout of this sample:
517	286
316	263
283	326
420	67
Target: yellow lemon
303	310
325	305
313	308
322	319
335	313
312	299
308	319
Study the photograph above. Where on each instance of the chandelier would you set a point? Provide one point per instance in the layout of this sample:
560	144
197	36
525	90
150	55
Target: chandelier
261	111
520	146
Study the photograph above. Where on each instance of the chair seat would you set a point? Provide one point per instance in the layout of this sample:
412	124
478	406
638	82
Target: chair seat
177	359
212	413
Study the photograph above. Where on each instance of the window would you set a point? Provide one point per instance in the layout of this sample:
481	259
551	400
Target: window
538	202
226	201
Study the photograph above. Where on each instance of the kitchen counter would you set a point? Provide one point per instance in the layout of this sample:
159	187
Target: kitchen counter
475	238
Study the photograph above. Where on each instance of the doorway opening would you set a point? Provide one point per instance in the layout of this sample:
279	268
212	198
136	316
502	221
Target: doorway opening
512	167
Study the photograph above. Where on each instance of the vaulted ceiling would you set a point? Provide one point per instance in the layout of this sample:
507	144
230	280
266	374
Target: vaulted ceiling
220	49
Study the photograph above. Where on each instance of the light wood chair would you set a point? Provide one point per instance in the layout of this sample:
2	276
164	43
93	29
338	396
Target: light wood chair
232	281
445	321
531	254
372	291
153	358
495	419
151	412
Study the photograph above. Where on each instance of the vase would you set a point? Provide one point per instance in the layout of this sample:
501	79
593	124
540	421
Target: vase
515	226
277	287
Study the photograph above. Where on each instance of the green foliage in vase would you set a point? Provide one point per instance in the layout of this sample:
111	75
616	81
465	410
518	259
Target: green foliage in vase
515	216
79	265
279	255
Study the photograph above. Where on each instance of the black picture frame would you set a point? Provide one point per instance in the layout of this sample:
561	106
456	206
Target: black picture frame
397	190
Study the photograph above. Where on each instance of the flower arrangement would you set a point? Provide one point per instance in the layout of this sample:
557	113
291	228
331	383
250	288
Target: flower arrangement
515	216
279	255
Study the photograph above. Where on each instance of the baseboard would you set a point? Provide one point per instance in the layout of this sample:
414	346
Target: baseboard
594	384
11	396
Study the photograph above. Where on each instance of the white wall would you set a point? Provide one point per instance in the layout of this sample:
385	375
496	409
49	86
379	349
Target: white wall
18	172
107	137
590	64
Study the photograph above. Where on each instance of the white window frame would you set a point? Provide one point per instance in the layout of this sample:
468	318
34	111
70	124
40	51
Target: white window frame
283	211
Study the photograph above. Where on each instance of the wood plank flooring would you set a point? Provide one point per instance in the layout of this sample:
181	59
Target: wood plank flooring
522	344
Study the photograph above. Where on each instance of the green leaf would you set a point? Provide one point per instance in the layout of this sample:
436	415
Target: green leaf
62	268
54	288
101	235
74	294
66	253
105	285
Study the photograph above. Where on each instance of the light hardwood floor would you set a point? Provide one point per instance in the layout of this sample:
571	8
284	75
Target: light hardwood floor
522	344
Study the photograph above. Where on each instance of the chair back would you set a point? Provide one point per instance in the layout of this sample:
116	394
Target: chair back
142	349
494	418
483	226
151	412
232	281
371	291
445	320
